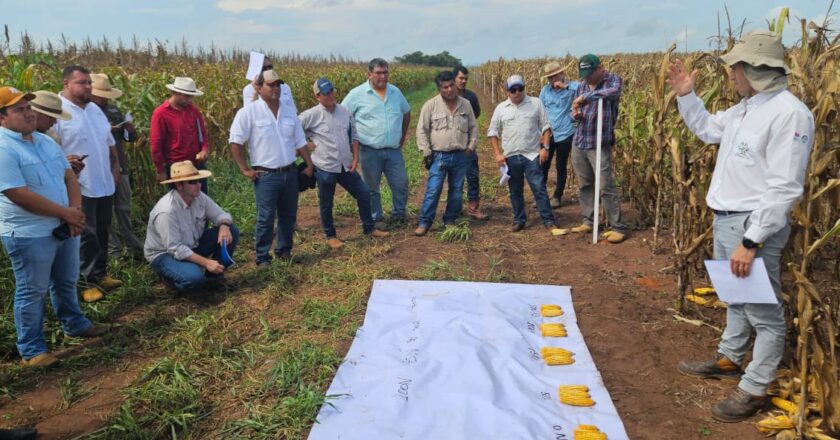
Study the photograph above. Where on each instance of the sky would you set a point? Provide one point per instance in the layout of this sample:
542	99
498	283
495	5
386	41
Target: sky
475	31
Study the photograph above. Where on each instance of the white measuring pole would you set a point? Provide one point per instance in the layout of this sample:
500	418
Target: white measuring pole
598	171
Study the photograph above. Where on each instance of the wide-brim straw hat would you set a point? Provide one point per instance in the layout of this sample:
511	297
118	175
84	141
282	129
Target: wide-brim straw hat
184	85
101	87
758	48
48	103
183	171
552	68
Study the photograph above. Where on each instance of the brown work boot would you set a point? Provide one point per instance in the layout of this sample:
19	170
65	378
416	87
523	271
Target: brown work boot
421	231
378	233
43	360
334	243
738	406
94	331
555	202
92	294
582	228
474	211
108	284
722	369
614	237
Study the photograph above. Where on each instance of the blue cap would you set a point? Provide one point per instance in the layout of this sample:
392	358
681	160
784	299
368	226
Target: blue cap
322	86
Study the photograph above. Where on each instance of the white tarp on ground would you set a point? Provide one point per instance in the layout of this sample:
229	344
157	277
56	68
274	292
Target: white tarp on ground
460	360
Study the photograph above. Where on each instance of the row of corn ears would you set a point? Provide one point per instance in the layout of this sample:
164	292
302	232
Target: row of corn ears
706	297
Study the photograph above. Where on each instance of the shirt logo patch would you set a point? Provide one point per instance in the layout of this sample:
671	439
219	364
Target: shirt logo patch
805	139
742	150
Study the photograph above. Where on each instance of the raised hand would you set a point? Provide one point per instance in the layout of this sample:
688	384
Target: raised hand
679	79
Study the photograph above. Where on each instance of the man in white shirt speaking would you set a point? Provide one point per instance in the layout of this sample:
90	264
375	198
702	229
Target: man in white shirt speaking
765	141
332	130
274	136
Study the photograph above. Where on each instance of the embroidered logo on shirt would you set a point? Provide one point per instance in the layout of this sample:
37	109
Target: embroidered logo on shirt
804	139
742	150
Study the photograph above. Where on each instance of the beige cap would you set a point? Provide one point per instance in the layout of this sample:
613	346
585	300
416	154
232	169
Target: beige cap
758	48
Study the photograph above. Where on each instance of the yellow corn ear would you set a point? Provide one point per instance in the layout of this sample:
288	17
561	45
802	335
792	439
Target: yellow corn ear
559	360
697	299
553	329
775	423
554	351
575	395
703	290
550	310
589	432
784	405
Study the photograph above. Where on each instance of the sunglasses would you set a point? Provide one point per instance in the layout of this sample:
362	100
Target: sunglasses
268	67
193	182
516	89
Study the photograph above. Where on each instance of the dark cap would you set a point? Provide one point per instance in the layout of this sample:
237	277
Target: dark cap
587	65
322	86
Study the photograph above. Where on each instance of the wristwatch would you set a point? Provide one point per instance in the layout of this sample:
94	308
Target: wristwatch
749	244
544	147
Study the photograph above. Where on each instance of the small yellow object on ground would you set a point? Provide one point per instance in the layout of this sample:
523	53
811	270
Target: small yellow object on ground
559	231
589	432
774	423
550	310
697	299
557	356
704	291
785	405
553	329
575	395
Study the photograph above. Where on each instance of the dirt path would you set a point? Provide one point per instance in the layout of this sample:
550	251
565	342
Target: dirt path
620	293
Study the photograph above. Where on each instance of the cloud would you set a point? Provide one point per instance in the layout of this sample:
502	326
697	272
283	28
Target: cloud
247	26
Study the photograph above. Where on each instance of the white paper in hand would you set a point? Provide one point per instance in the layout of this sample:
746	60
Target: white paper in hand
754	289
255	65
503	170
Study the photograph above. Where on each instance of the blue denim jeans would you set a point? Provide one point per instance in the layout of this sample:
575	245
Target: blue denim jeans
41	265
277	195
185	275
452	166
353	183
521	169
389	161
768	320
473	187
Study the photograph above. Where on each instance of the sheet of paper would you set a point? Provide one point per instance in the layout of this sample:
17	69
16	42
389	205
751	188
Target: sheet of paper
503	171
461	360
255	65
754	289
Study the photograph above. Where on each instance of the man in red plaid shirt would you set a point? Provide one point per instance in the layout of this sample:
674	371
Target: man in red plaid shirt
597	83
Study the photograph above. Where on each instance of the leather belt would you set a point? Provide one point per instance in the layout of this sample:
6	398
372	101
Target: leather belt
284	169
727	213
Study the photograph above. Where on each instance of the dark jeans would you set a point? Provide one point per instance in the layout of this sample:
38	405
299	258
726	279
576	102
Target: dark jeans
185	275
452	166
562	148
277	195
94	248
473	188
521	169
123	232
353	183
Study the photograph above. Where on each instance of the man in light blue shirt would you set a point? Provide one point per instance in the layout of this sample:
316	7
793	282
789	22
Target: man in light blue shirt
40	222
382	115
557	97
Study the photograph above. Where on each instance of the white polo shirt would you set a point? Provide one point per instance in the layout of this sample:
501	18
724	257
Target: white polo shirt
88	132
272	141
764	142
519	126
331	133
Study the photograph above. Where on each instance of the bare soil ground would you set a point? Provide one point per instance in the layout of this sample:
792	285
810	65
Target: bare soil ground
621	294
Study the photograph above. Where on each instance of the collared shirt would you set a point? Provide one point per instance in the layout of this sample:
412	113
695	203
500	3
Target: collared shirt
249	95
470	96
586	134
89	133
175	228
438	129
176	135
378	122
332	133
115	117
519	126
38	165
272	140
764	142
558	106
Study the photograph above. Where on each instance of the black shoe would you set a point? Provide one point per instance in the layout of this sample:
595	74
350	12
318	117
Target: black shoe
517	227
739	406
722	369
18	433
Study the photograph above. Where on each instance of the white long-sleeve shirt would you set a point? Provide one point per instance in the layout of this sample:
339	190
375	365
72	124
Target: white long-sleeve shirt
765	141
175	228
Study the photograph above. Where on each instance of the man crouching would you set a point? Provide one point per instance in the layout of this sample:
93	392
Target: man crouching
178	244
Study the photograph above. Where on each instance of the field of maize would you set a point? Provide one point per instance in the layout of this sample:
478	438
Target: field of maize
662	168
664	171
